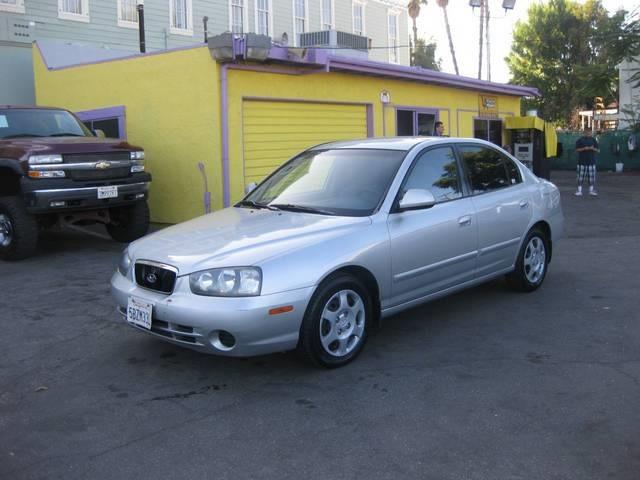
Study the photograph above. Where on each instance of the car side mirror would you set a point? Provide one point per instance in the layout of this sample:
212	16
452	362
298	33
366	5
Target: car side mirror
99	133
250	188
415	198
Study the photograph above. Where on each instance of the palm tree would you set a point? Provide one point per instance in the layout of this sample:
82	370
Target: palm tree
414	10
443	4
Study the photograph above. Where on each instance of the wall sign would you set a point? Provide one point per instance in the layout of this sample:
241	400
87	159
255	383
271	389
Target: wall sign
488	106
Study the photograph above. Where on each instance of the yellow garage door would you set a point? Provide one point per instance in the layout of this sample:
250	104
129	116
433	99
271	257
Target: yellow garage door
274	131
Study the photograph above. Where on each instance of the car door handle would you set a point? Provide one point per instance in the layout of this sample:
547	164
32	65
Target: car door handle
466	220
524	203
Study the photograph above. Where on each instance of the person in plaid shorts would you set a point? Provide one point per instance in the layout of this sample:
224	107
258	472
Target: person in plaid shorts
587	146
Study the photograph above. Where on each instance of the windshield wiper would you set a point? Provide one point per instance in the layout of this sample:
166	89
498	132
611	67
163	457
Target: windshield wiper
300	208
252	204
21	135
66	134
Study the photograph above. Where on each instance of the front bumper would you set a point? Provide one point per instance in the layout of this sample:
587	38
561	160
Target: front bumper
195	321
38	197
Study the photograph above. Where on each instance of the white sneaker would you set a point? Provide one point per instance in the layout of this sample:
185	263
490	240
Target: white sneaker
578	193
593	192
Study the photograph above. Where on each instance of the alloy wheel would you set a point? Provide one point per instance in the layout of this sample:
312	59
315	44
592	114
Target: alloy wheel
342	323
535	260
6	230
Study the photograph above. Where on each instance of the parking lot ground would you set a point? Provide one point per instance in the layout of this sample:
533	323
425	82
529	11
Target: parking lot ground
486	384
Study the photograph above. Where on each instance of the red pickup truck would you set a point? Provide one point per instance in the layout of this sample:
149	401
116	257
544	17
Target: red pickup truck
53	170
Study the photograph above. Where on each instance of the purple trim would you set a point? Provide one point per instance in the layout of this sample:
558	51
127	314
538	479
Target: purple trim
273	69
430	76
106	114
116	59
224	128
370	132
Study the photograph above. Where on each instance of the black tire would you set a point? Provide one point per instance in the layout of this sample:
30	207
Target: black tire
356	326
530	269
129	223
18	230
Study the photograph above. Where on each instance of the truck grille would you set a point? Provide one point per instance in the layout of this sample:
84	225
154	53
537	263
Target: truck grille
156	277
95	157
107	174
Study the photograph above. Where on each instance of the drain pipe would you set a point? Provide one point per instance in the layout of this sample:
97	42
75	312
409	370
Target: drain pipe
224	105
140	9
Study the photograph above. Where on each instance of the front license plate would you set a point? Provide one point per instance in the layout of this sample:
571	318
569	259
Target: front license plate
107	192
139	312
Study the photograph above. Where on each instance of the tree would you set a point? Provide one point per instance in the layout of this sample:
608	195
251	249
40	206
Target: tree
424	55
443	4
413	9
569	51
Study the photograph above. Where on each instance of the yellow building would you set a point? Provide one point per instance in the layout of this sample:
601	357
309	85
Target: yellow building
219	125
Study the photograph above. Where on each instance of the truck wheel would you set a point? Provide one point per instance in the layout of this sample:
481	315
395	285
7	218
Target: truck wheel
18	230
129	223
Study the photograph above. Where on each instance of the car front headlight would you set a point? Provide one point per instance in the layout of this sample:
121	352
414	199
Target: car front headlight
44	159
138	155
227	282
125	263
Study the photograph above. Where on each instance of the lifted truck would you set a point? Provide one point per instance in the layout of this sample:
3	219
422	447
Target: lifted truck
53	170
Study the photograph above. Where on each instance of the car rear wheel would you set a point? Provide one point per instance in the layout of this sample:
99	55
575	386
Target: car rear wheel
18	230
129	223
531	266
336	324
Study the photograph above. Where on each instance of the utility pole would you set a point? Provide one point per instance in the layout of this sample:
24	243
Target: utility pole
487	16
480	39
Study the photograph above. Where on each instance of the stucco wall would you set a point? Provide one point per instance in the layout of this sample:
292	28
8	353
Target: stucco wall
172	110
172	105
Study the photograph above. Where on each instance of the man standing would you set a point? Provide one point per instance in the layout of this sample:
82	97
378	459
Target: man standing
439	129
587	146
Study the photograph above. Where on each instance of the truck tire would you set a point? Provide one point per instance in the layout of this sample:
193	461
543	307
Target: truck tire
129	223
18	230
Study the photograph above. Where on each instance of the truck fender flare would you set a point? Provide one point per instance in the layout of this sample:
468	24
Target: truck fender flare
12	165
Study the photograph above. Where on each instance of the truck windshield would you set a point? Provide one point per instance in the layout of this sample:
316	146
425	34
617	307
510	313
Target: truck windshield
33	122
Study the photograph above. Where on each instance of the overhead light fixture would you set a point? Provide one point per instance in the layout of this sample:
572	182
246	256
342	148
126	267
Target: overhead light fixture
508	4
475	3
258	46
221	47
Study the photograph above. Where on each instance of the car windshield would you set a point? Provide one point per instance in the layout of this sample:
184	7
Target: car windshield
33	122
349	182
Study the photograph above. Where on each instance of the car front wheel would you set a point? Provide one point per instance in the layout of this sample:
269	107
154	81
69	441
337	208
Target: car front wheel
531	266
129	223
335	326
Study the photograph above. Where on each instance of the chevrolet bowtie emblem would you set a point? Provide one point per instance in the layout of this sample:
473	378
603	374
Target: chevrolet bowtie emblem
102	165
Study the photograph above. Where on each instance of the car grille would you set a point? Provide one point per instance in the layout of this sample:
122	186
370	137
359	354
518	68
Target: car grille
155	277
175	332
107	174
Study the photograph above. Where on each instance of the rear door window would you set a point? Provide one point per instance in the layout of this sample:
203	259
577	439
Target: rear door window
485	167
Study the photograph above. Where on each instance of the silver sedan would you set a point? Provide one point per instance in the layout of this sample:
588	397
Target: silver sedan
339	237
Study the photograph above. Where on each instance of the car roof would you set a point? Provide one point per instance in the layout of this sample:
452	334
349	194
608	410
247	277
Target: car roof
27	107
396	143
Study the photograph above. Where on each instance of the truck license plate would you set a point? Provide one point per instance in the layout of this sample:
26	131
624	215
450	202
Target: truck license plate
107	192
139	312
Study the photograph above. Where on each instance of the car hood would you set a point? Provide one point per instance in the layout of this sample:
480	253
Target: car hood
236	237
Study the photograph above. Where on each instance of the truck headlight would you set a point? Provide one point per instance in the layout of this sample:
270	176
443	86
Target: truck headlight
125	263
44	159
136	155
227	282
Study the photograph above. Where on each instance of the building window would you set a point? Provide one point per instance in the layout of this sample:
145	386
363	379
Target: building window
411	123
110	120
77	10
327	20
127	13
13	6
358	18
300	19
490	130
181	17
264	21
392	21
238	16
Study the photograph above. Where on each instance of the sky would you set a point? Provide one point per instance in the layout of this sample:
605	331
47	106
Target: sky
465	24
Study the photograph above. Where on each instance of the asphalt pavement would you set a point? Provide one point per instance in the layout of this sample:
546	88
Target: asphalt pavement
486	384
